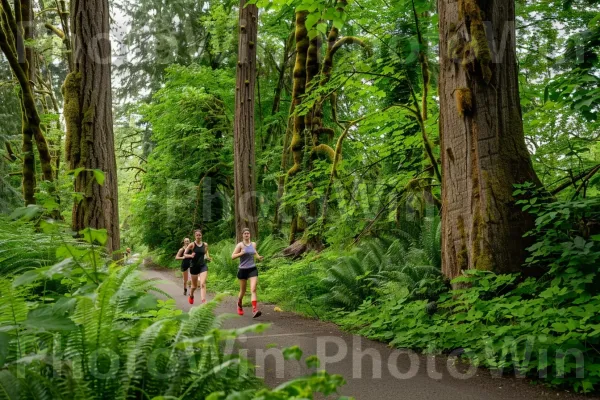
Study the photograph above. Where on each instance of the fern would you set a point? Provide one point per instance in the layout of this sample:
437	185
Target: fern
410	265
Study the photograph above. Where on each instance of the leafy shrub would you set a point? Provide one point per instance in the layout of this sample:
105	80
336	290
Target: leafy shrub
547	328
375	270
21	248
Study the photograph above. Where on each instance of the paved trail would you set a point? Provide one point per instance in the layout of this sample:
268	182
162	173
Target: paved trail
373	370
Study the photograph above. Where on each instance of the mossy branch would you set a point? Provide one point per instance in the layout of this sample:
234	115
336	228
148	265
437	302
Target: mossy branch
58	32
10	153
572	181
323	151
9	17
585	180
348	40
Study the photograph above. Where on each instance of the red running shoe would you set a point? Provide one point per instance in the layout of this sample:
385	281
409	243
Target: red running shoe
256	313
240	310
191	299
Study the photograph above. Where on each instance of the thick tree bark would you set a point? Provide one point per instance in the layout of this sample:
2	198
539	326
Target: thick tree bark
244	162
88	112
483	147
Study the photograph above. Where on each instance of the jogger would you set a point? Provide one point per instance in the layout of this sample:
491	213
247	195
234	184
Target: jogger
246	251
185	263
198	253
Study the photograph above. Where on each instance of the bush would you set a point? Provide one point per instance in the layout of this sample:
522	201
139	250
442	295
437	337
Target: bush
547	328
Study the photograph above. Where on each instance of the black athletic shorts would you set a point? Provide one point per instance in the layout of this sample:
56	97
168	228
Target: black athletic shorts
198	269
185	265
247	273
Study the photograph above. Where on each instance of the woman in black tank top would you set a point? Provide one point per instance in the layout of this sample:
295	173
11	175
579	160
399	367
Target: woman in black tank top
185	263
197	253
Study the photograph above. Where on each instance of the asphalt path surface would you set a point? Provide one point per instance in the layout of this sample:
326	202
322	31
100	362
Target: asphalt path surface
372	369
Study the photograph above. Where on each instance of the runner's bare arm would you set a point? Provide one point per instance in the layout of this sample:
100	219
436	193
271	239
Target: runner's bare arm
191	253
260	258
180	255
207	256
238	252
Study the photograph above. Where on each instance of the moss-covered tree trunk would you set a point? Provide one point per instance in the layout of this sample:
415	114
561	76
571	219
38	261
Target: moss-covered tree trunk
17	27
287	49
88	113
29	121
482	140
298	89
244	162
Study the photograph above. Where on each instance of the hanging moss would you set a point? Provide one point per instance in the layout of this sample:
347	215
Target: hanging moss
476	51
481	49
456	47
468	9
464	101
71	112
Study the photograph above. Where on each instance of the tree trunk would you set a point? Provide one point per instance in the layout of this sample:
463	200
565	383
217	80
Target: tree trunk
299	87
29	179
16	28
482	141
244	163
88	112
33	123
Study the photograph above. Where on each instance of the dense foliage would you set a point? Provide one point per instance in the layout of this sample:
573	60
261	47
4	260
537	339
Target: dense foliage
80	327
362	190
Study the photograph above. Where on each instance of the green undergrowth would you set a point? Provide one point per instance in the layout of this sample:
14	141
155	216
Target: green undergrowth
78	325
545	328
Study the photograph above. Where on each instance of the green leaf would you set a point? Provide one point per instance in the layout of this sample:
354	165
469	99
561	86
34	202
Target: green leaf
99	175
559	327
4	347
94	235
311	20
322	27
292	353
313	362
45	318
26	278
76	171
28	213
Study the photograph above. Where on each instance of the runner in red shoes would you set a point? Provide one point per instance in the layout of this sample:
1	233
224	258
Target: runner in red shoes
246	251
198	252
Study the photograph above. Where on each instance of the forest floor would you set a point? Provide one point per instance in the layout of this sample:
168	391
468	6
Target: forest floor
372	369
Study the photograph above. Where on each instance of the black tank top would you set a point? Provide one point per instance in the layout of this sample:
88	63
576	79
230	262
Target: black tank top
199	251
185	263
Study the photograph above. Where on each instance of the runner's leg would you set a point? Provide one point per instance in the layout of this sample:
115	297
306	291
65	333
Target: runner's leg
193	289
185	279
253	286
203	277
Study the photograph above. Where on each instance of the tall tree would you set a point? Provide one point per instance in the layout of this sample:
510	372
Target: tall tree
482	141
15	28
244	173
88	114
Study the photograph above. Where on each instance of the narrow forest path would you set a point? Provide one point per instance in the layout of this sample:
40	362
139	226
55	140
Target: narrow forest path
359	360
